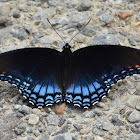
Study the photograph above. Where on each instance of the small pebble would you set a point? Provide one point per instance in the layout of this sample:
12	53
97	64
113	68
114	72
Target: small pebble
124	15
33	119
134	117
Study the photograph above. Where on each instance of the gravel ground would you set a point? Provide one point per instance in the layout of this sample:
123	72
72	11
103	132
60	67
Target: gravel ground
23	24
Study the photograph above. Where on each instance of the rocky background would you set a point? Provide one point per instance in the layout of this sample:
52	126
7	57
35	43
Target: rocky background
23	23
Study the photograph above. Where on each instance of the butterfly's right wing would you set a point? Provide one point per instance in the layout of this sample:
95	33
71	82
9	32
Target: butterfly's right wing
96	68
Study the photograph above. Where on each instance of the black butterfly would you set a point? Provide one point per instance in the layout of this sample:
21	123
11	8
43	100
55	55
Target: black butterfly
45	76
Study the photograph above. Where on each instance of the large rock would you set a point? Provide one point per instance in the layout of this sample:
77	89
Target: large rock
134	117
4	13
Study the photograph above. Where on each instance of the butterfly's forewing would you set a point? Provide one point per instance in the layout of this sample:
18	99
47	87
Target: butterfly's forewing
96	68
36	71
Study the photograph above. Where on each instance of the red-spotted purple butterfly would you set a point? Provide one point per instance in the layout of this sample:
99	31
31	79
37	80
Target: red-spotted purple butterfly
45	76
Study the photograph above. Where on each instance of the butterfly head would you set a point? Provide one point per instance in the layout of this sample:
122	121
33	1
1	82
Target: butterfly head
66	46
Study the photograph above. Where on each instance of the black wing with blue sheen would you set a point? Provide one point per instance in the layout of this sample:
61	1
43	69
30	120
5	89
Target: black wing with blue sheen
37	72
96	68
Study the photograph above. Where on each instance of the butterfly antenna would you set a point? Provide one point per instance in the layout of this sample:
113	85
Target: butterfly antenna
56	31
79	31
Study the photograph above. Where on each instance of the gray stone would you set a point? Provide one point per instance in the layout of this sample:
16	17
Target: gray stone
19	115
45	40
78	126
28	28
107	126
55	2
134	116
30	138
137	107
135	137
4	34
114	118
106	39
84	6
44	137
100	12
38	35
23	8
106	18
33	119
69	121
100	104
63	129
36	132
24	109
16	14
79	17
50	129
133	40
29	130
58	21
22	127
60	137
52	119
7	124
33	41
131	90
90	30
20	33
133	101
62	121
67	136
135	130
20	130
17	107
124	33
116	121
4	13
1	105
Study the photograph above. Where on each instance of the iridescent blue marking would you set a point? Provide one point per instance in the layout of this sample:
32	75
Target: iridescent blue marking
27	95
100	91
86	100
91	88
57	97
85	91
39	104
77	90
70	90
102	94
97	85
9	76
94	96
49	102
42	91
97	99
50	89
77	98
30	99
77	102
86	104
69	97
49	97
28	91
33	96
40	100
37	88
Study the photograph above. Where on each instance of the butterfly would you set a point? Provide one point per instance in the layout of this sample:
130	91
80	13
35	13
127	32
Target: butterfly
45	76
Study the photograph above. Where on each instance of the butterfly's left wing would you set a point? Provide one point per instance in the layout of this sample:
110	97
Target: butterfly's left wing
96	68
36	72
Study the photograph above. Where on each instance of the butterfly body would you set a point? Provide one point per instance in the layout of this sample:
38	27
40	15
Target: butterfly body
45	76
